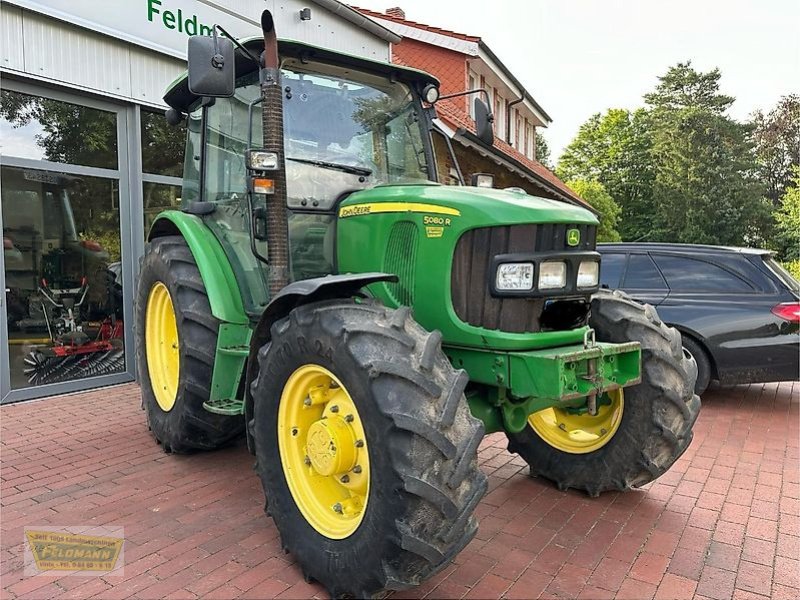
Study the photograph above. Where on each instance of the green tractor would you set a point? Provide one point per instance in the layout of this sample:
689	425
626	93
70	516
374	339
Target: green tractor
365	326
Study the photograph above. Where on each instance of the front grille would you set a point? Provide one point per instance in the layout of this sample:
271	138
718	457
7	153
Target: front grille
469	283
401	259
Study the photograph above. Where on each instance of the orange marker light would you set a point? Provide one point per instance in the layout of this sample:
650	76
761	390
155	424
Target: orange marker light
262	185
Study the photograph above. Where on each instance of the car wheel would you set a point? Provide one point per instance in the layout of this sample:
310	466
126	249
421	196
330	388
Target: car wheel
703	364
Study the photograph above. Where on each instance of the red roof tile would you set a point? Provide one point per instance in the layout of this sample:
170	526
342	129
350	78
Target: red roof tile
431	28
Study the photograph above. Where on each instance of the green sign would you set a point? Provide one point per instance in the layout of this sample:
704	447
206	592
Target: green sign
573	237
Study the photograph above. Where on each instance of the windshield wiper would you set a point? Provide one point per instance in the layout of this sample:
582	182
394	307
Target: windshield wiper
332	165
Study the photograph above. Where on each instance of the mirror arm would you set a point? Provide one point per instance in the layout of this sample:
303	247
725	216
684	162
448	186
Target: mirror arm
466	92
238	44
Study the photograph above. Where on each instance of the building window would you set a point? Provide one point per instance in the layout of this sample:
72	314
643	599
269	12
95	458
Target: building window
162	164
499	116
62	256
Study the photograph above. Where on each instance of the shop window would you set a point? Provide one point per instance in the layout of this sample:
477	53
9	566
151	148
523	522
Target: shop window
62	255
45	129
162	164
162	145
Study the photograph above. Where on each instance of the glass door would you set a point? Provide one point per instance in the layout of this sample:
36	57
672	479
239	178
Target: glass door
64	188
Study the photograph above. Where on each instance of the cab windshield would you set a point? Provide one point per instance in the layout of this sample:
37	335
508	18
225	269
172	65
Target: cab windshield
338	117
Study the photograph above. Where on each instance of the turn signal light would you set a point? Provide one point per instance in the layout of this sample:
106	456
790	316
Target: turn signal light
262	185
789	311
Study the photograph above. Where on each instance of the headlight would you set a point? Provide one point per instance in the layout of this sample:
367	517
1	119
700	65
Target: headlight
259	160
514	276
552	275
588	274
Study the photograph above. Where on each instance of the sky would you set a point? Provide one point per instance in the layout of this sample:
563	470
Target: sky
581	57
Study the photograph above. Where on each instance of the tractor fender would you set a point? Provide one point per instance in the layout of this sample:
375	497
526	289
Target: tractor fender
294	295
215	269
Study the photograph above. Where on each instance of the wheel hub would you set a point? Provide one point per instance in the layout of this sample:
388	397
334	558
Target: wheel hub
331	445
577	433
162	347
323	451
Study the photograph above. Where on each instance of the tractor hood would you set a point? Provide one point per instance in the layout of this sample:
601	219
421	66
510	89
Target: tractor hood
479	207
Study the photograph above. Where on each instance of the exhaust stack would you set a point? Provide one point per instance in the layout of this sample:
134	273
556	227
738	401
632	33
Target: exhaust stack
272	127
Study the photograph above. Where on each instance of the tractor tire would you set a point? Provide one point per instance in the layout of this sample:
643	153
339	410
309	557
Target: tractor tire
398	507
657	415
181	354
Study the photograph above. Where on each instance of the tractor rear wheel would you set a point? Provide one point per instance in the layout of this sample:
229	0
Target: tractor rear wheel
365	447
639	431
176	336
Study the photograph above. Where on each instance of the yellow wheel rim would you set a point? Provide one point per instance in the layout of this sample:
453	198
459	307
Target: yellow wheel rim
579	434
161	346
323	451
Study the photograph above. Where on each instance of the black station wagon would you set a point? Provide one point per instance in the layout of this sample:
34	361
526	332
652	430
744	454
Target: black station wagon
737	308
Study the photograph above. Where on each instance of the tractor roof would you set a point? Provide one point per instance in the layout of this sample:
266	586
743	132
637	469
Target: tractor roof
180	98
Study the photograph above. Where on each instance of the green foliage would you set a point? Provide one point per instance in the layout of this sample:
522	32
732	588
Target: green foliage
614	149
595	194
787	219
542	150
680	169
793	266
777	142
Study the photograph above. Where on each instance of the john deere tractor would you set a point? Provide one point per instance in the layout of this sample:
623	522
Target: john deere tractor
366	326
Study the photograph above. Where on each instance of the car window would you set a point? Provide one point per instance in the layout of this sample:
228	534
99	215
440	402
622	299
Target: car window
782	274
611	266
642	274
685	274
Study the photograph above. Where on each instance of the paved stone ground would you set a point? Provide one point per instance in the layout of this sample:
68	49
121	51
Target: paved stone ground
723	523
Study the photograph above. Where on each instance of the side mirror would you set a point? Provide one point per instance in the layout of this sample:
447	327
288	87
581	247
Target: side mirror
483	122
212	66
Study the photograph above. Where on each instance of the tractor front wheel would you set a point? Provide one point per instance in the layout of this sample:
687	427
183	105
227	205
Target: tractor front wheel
365	447
639	431
176	336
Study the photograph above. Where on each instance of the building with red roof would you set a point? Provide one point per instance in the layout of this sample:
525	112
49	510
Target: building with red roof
462	62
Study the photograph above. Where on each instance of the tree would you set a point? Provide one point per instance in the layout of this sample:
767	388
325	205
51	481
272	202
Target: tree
704	189
787	219
614	150
682	87
777	141
542	150
596	195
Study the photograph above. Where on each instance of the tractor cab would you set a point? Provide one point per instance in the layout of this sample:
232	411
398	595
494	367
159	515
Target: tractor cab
348	124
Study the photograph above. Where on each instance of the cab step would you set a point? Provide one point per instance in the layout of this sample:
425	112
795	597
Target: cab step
224	406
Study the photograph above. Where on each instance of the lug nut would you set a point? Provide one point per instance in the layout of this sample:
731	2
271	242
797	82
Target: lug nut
294	430
357	469
307	460
349	418
345	479
334	409
307	401
562	427
337	508
359	443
